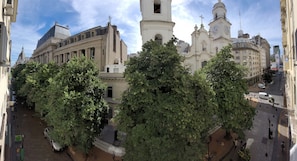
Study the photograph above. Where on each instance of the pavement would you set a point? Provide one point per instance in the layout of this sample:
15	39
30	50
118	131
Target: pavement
222	149
25	138
263	146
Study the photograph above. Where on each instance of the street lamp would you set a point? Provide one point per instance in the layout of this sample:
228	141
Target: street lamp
208	142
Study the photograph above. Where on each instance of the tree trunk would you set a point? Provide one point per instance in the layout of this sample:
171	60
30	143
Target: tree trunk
228	134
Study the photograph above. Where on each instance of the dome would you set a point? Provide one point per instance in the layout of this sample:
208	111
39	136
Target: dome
219	5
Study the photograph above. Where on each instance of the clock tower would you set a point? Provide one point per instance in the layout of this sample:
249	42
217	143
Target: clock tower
156	23
220	26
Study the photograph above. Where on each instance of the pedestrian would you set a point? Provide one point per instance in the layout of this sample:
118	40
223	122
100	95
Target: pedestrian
283	146
235	143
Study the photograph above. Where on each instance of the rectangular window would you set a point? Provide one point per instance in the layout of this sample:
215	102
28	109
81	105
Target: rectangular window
9	1
92	53
295	52
114	41
83	52
88	34
67	57
109	92
157	8
74	54
62	58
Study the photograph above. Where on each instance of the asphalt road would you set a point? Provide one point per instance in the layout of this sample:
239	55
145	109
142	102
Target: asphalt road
267	117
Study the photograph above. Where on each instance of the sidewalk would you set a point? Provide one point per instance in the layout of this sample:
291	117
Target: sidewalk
283	135
232	154
219	146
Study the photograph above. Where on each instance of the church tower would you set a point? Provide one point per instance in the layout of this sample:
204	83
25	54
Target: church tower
156	23
220	26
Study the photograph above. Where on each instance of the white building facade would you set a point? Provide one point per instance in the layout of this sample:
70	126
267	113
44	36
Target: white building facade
8	15
156	23
206	44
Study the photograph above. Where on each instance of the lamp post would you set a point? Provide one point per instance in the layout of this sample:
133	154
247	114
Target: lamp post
208	142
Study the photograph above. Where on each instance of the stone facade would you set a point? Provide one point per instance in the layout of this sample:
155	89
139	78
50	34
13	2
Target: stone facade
8	15
206	44
289	41
101	44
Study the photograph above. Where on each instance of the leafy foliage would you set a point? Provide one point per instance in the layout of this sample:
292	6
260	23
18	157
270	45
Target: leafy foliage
267	76
227	80
18	77
163	111
70	98
76	108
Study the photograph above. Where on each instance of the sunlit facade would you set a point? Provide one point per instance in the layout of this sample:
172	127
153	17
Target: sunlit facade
289	42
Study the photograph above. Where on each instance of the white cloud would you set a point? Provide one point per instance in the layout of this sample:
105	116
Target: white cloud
24	36
33	21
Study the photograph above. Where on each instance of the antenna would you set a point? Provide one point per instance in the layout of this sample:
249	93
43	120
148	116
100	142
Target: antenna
109	19
239	20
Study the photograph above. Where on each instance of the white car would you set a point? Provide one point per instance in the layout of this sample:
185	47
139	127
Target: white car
262	86
55	146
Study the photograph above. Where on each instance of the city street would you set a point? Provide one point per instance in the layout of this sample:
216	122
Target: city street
30	144
267	119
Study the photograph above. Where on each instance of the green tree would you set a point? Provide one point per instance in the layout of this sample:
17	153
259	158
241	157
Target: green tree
227	80
29	87
40	83
76	108
267	76
18	77
162	111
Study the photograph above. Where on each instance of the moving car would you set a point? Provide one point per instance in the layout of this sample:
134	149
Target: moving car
55	146
264	95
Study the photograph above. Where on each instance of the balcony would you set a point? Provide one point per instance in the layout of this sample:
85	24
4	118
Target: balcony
8	10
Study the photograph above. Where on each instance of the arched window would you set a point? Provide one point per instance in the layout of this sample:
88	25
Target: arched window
157	6
158	38
203	64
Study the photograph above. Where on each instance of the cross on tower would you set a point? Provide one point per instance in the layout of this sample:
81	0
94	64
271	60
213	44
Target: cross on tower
109	19
201	19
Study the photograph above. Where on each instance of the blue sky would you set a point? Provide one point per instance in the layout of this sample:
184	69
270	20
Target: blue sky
36	17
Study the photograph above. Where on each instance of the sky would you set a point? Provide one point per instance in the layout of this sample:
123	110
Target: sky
36	17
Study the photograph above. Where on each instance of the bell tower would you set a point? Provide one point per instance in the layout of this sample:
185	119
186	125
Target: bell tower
220	25
156	23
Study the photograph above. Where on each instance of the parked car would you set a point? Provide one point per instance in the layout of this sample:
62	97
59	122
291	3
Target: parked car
55	146
261	85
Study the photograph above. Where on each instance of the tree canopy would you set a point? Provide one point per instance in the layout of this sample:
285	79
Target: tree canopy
69	97
76	108
227	80
163	111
